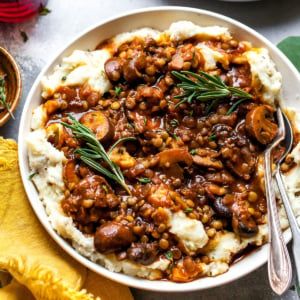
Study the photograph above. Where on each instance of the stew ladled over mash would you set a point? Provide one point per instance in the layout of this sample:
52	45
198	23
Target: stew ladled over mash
168	158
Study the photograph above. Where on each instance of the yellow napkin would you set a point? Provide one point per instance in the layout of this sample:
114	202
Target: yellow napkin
40	269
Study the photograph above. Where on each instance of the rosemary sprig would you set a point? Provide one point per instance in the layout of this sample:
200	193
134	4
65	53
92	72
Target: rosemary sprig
94	151
205	87
234	106
3	96
124	139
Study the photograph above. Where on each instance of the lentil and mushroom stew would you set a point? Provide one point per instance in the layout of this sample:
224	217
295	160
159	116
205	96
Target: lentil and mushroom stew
158	151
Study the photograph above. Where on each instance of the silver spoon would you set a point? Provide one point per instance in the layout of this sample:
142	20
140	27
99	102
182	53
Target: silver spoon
279	263
288	141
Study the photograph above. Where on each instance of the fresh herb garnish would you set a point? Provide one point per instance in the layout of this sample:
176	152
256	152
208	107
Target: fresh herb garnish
118	90
94	153
212	137
32	175
144	180
193	151
24	36
175	136
3	101
121	140
234	106
145	121
212	104
43	10
174	123
205	87
188	210
169	255
159	78
64	78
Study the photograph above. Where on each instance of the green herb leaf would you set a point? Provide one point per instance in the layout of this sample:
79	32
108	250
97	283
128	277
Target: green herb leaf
291	48
144	180
24	36
212	104
32	175
118	90
193	151
234	106
212	137
3	101
43	10
205	87
174	123
175	136
125	139
64	78
94	153
169	255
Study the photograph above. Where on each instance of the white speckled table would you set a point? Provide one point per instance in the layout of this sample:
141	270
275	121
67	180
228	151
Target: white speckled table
275	19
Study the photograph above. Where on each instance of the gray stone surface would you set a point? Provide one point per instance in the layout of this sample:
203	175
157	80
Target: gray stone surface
275	19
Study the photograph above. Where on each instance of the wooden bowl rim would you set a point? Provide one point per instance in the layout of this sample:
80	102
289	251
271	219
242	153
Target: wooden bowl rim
17	73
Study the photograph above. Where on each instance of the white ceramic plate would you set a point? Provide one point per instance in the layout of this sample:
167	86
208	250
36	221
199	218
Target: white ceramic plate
159	18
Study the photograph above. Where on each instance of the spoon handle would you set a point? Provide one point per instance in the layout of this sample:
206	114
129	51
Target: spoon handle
293	224
279	263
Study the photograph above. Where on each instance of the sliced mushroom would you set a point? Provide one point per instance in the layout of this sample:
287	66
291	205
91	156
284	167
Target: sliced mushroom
70	175
132	68
112	236
99	124
56	134
221	209
113	68
172	156
245	228
243	223
207	158
143	253
259	124
174	171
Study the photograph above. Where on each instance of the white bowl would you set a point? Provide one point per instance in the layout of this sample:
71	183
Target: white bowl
158	18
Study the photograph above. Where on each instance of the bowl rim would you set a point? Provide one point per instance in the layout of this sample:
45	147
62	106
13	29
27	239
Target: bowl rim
145	284
18	91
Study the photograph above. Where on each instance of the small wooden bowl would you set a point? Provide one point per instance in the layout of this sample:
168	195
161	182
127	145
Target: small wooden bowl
13	80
